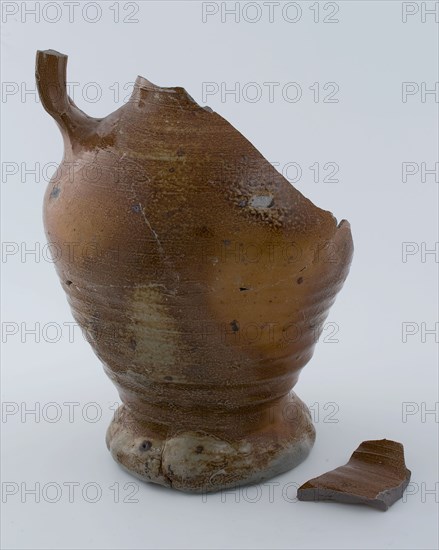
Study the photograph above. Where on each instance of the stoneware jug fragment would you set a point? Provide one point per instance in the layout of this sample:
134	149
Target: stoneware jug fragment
201	277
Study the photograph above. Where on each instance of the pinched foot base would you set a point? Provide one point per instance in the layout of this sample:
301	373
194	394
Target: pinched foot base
198	462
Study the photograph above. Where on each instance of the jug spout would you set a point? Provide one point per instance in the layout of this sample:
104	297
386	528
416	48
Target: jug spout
50	74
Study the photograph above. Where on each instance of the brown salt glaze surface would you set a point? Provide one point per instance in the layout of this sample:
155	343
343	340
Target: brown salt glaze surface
375	475
201	277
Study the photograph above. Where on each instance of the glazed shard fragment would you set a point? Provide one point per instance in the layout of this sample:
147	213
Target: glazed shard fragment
376	475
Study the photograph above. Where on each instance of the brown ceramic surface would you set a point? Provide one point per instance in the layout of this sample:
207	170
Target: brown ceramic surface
376	475
201	276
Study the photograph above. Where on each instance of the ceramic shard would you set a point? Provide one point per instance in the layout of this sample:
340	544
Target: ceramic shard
376	475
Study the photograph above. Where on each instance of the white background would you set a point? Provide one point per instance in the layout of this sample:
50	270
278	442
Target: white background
363	378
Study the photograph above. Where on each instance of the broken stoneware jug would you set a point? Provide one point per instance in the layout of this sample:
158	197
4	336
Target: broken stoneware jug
201	277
